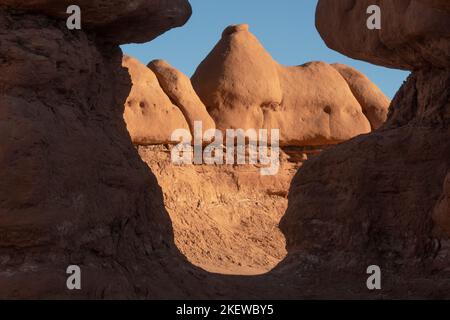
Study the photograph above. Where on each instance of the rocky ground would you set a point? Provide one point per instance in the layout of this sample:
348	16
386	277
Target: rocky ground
225	218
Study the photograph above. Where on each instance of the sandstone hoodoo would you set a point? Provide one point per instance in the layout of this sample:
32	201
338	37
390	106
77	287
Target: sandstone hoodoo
382	198
243	87
179	88
372	101
73	190
161	102
150	115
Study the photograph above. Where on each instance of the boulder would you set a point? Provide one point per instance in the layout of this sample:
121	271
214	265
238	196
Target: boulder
179	89
150	115
243	87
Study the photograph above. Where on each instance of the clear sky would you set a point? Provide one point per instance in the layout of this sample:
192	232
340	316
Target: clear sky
285	27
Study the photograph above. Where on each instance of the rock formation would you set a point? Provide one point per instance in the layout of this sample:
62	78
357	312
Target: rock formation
372	200
161	101
73	189
179	88
411	35
150	115
231	227
372	101
144	19
243	87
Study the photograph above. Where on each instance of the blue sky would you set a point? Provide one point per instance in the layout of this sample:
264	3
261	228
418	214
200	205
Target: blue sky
285	27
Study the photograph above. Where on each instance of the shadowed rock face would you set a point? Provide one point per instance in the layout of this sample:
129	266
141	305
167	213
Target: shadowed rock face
73	190
381	198
414	34
439	4
441	211
243	87
119	21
